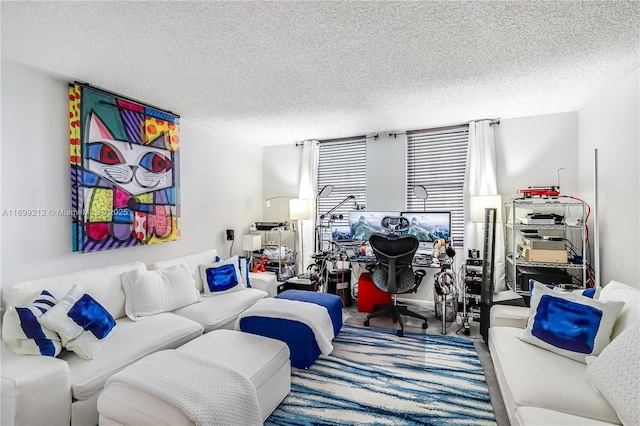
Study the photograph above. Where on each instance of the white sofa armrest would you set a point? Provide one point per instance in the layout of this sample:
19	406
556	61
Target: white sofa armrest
36	390
265	282
508	316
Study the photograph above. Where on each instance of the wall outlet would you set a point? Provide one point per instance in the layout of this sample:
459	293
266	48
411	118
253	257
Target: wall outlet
230	235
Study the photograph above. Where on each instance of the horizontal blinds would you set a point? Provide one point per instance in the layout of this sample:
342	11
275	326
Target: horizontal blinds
342	164
437	160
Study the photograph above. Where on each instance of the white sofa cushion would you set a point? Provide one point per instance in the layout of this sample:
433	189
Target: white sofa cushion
103	284
192	261
531	376
568	323
615	290
82	323
130	341
526	416
265	281
161	290
221	311
23	333
615	372
222	277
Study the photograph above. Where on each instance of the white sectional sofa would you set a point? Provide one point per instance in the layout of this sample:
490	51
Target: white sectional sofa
540	387
39	390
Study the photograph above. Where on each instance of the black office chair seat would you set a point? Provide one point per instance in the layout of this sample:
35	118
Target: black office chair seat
394	274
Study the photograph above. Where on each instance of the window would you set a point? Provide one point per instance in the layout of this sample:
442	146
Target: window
343	164
437	159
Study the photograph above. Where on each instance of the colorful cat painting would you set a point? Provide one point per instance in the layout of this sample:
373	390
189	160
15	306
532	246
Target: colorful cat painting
125	172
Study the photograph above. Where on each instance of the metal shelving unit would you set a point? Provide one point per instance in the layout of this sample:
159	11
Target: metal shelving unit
568	207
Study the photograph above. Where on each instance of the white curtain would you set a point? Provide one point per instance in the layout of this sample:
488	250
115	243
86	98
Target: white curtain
481	180
308	189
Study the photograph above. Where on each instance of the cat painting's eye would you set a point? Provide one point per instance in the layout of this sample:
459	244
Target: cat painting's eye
155	162
104	153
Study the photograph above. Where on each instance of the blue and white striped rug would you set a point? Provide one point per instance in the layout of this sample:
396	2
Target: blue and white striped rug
374	377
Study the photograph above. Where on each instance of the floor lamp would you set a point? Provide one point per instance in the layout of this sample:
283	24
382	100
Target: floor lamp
300	209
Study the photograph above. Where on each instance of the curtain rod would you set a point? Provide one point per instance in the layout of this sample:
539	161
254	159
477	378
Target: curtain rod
492	121
108	92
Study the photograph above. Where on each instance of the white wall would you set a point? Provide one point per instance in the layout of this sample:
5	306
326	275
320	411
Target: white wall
610	122
220	184
530	149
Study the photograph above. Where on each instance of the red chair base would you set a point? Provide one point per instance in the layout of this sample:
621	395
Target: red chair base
369	295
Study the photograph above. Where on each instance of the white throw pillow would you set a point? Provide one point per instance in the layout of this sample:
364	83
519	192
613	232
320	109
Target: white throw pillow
23	333
161	290
614	374
221	277
82	323
568	323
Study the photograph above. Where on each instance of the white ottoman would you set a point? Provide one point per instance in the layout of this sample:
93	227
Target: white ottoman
264	361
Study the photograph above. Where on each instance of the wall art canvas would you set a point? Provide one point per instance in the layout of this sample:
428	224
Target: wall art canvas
125	173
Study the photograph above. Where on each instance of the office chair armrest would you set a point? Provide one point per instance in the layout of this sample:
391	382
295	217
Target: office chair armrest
370	266
419	274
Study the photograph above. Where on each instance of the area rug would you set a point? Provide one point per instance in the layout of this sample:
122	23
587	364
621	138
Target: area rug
374	377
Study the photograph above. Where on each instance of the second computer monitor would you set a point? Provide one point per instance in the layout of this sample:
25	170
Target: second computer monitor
364	223
429	226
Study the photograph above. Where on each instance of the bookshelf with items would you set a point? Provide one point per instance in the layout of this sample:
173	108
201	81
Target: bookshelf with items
546	240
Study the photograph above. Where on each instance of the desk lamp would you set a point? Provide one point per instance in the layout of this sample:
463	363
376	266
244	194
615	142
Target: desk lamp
323	193
421	192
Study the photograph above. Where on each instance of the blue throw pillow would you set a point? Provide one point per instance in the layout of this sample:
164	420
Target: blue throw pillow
23	333
568	323
83	324
243	264
592	293
221	277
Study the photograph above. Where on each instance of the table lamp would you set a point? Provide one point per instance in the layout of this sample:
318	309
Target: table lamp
251	243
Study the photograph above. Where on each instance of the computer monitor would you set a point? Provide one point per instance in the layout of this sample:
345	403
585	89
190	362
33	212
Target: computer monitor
364	223
340	233
429	226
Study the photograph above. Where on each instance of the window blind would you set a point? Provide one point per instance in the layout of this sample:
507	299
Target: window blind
437	160
342	164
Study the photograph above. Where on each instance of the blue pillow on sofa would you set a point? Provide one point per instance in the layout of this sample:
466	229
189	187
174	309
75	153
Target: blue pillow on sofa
243	264
23	333
83	324
568	323
221	277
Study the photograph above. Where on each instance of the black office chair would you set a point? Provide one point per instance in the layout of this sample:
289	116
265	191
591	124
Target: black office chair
393	272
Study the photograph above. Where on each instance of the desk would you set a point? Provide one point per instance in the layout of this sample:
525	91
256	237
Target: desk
424	294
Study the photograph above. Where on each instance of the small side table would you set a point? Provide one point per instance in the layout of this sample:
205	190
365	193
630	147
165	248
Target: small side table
298	284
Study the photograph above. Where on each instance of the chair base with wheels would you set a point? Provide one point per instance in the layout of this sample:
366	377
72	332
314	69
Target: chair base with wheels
392	273
396	311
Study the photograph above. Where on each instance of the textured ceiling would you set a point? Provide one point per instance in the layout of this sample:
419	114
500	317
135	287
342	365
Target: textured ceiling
279	72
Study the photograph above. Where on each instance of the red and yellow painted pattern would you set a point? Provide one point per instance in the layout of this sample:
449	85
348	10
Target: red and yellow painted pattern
74	124
155	127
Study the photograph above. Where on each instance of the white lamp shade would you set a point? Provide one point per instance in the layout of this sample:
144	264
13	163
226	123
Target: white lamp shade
251	242
480	202
300	209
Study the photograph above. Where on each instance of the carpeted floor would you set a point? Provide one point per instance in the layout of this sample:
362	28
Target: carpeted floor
352	316
375	377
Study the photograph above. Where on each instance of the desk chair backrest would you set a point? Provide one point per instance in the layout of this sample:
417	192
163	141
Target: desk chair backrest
394	254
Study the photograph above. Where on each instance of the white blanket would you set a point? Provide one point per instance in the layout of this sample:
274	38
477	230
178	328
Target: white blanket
315	316
208	393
